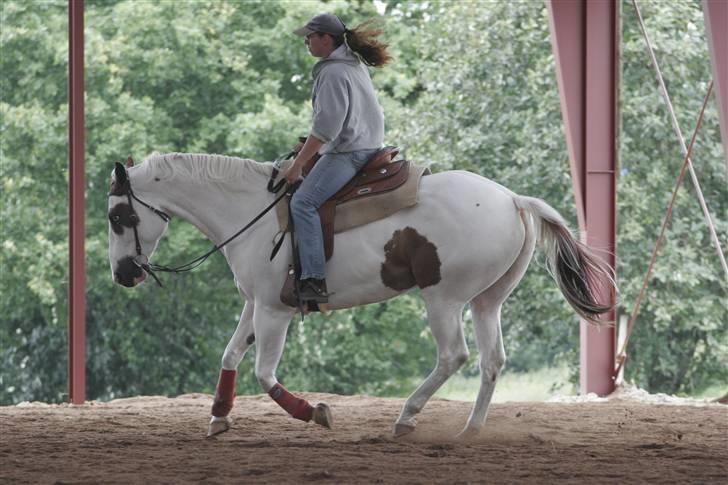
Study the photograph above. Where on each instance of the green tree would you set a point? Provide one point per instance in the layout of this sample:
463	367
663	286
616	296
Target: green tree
472	87
680	341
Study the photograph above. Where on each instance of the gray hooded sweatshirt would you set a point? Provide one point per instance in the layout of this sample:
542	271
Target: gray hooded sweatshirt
346	113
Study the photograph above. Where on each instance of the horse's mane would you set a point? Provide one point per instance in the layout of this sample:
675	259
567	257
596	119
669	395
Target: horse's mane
218	169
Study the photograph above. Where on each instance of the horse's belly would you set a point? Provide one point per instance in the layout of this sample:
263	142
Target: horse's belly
468	225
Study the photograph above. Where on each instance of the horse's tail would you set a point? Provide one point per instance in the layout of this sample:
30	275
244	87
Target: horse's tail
577	270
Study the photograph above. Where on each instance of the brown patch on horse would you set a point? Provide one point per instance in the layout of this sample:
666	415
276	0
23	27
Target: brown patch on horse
120	180
121	216
117	188
409	260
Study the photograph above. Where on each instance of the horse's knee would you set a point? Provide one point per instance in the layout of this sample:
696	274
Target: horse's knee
266	380
235	351
451	362
231	359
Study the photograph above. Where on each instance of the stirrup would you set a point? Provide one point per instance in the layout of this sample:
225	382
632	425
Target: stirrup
310	291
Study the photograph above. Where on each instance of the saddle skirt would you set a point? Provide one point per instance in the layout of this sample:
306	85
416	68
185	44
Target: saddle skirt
373	194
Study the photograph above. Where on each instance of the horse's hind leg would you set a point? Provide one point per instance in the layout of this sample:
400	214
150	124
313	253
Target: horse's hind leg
489	338
486	308
445	320
239	344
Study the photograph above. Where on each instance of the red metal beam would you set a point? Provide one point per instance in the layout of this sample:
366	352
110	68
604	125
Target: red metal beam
598	345
76	185
567	24
715	13
585	41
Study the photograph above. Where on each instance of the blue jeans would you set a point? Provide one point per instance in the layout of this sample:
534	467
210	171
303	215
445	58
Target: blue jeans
328	176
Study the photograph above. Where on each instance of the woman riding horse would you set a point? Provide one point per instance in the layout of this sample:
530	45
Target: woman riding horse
347	129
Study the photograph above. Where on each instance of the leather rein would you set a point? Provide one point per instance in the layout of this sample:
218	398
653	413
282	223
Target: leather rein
142	261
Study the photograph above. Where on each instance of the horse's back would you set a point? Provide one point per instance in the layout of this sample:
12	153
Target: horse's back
462	189
470	225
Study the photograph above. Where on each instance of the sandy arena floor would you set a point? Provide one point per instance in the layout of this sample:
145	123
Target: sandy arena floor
162	440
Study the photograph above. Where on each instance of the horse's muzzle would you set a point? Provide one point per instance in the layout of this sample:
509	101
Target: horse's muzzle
128	273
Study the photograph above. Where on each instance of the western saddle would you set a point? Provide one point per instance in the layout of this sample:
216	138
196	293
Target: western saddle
380	174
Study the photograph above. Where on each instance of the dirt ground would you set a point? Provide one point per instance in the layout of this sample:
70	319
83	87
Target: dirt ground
162	440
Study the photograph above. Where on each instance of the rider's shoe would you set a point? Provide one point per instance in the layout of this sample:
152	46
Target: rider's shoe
312	289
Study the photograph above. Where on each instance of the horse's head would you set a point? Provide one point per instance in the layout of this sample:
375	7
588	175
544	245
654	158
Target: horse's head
135	228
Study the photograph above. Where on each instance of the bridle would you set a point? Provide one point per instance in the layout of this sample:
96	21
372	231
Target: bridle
142	261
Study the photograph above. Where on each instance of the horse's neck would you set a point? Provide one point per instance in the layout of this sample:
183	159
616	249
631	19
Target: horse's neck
216	212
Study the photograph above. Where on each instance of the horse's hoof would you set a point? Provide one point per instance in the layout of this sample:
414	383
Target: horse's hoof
468	434
324	308
322	415
401	429
218	425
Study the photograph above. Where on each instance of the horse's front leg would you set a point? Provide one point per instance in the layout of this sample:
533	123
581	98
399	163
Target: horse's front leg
271	325
239	344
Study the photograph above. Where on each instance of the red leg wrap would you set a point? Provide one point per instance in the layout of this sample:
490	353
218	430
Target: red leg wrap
224	393
296	407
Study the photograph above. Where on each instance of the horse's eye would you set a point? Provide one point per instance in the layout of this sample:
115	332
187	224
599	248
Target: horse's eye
114	219
134	218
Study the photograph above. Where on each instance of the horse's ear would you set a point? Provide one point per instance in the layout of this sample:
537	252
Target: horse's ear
129	162
120	174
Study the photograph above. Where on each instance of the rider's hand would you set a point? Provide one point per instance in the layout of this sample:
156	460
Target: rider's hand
293	173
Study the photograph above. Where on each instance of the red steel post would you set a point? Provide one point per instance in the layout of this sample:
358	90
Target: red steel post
567	24
598	345
585	41
76	184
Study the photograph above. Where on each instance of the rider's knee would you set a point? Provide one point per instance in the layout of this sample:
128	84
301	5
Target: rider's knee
301	203
297	201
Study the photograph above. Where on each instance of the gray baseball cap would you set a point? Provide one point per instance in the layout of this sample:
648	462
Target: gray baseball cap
325	22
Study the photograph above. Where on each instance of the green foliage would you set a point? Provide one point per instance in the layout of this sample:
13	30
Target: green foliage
471	88
680	340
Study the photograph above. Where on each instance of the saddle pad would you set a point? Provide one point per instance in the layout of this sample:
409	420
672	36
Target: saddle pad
368	209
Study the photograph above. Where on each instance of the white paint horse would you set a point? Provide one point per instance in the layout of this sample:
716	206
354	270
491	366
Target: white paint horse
467	241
